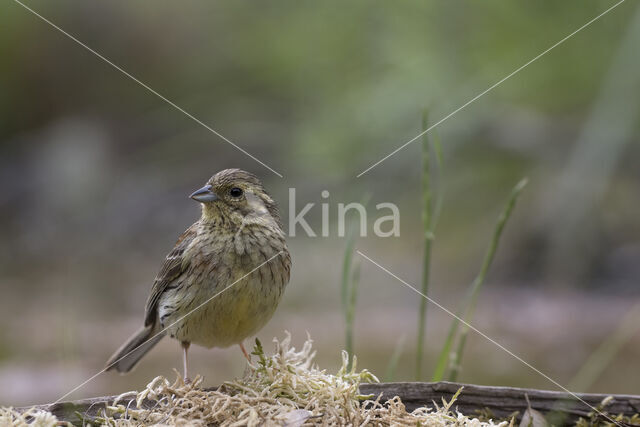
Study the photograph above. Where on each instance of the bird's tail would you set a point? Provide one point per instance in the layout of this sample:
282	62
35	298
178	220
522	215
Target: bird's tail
137	346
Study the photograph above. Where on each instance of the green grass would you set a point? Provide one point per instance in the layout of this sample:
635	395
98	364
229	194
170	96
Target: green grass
428	224
348	293
349	286
451	361
447	361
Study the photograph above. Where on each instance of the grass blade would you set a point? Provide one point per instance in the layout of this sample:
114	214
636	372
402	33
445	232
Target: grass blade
443	358
472	300
346	292
427	217
351	312
349	285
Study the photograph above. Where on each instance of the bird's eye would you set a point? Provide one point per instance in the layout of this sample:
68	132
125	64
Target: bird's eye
235	192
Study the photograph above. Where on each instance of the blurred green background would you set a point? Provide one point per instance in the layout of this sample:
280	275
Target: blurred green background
96	171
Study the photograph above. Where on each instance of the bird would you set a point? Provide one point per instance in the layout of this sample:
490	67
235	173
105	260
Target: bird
223	279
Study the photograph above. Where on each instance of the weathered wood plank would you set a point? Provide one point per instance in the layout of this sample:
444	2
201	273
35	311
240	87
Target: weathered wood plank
502	401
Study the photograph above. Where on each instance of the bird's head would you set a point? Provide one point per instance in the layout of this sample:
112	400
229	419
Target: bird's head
237	196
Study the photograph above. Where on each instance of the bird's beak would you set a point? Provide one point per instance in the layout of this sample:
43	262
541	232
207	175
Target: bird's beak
205	194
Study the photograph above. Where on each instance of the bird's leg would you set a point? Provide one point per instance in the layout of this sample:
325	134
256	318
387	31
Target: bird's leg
246	355
185	349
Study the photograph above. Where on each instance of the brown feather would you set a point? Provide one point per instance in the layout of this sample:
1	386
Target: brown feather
174	265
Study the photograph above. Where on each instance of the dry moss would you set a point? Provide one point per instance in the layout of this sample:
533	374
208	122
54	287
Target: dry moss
32	418
281	389
284	388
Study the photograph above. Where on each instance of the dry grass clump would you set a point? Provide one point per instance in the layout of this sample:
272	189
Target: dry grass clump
282	389
32	418
285	389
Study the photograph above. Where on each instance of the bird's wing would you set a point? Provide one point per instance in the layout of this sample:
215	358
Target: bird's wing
174	264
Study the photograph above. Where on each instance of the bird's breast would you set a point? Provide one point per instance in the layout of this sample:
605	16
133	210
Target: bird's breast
231	288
